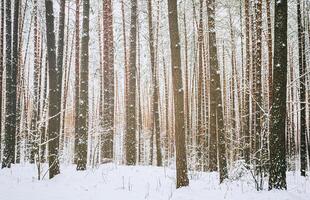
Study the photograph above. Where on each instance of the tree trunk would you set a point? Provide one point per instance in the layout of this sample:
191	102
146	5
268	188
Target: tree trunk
277	170
269	41
34	117
108	80
60	53
156	125
1	68
258	87
44	135
302	92
186	86
83	102
77	76
67	66
130	137
22	14
200	80
178	91
11	84
55	77
217	131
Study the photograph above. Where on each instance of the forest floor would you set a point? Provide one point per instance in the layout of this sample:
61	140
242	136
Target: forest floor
116	182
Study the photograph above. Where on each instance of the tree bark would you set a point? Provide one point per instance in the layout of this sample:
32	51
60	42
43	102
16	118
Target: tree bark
258	87
277	170
60	52
178	91
156	125
130	137
55	77
77	76
34	128
1	67
83	102
11	84
217	132
200	80
108	81
302	92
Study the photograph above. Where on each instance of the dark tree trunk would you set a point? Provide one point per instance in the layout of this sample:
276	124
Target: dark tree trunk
108	81
269	41
308	137
1	67
246	127
60	53
83	103
277	171
130	138
178	91
258	87
246	122
216	105
302	92
214	84
11	84
55	77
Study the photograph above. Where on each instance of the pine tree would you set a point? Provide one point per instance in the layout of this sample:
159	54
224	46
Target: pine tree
77	76
178	91
83	102
108	81
216	104
130	138
277	143
1	67
258	86
186	84
302	91
35	114
60	56
11	84
55	77
156	125
200	80
269	40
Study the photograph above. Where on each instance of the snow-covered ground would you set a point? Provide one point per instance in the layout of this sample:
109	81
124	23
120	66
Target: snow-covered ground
116	182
